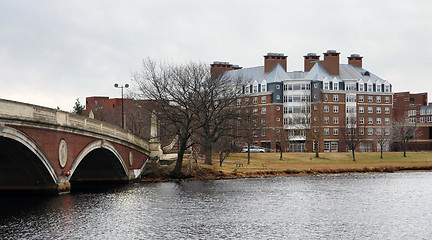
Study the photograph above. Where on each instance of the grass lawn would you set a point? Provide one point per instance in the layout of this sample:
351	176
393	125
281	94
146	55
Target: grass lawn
298	163
340	160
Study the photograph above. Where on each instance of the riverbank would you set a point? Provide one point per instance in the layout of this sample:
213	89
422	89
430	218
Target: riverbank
295	164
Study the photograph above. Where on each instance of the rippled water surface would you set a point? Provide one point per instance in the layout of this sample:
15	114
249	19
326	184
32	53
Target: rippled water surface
358	206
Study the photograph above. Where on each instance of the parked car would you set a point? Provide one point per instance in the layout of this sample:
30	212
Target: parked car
253	149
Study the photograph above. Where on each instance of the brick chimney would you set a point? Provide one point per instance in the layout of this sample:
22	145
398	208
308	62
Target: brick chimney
331	62
272	59
309	61
355	60
218	67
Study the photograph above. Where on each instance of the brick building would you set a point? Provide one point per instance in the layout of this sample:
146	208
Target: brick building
413	109
326	94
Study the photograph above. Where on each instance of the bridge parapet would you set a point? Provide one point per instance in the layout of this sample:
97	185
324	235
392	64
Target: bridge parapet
17	111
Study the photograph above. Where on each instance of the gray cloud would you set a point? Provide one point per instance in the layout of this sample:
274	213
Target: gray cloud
52	52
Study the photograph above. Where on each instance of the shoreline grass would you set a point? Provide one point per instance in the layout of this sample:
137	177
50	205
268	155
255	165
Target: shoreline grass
269	164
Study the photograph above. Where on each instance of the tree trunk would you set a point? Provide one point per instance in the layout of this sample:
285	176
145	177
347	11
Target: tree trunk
404	148
353	150
280	148
208	152
381	151
220	159
177	173
316	150
248	153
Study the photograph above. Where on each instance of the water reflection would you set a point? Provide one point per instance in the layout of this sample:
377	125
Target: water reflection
371	206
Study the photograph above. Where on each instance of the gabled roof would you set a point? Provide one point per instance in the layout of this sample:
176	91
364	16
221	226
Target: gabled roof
277	74
249	75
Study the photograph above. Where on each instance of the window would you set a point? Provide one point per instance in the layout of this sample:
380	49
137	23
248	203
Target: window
326	97
370	109
429	119
277	87
326	120
247	101
412	113
263	121
335	98
263	133
326	146
387	120
247	89
255	100
335	109
277	119
361	120
370	99
263	99
361	87
335	131
378	99
335	120
412	120
378	87
326	131
326	109
350	98
263	87
378	131
285	110
315	85
239	102
277	96
361	98
255	88
361	131
386	88
326	85
285	87
255	111
387	110
387	99
422	119
361	109
370	131
335	86
370	120
255	122
315	107
378	121
277	108
378	110
370	88
334	146
263	111
387	131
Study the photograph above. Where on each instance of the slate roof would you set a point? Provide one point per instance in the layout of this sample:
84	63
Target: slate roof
317	73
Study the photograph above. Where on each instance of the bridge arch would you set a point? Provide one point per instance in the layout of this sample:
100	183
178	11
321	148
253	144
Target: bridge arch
27	151
100	147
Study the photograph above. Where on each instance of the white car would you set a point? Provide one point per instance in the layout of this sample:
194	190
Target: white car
253	149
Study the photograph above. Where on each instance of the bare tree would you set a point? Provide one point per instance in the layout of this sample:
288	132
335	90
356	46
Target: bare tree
247	126
382	139
281	136
402	132
225	146
174	89
316	131
351	135
216	106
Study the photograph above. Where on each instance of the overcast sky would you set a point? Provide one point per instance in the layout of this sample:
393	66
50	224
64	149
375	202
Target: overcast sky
52	52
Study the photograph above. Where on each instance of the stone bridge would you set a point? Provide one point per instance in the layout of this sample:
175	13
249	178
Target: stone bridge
43	149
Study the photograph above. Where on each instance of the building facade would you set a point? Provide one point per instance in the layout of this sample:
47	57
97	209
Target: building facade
414	110
316	104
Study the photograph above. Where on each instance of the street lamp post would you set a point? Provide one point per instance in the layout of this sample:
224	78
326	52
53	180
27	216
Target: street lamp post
125	86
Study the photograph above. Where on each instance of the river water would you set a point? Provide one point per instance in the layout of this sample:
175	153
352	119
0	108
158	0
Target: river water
347	206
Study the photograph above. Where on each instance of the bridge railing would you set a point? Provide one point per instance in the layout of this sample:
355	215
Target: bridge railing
13	110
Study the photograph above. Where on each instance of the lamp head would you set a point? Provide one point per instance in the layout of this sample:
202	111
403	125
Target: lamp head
126	85
116	85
